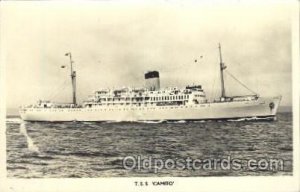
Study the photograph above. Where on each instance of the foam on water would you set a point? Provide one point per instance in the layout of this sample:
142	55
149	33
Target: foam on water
13	120
31	146
236	120
150	122
178	121
185	121
250	119
200	121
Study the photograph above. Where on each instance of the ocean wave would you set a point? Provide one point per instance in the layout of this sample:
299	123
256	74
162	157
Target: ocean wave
37	156
96	149
13	120
16	167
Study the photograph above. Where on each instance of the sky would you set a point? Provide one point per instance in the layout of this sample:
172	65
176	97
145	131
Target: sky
113	44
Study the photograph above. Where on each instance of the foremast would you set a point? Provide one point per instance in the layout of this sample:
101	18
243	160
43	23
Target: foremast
73	77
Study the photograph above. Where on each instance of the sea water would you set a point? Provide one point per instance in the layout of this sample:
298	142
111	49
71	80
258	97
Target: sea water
98	149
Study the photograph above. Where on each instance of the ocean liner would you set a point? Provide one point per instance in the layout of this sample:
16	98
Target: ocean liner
153	103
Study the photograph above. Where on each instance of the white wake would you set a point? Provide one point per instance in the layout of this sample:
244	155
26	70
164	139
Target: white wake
31	146
13	120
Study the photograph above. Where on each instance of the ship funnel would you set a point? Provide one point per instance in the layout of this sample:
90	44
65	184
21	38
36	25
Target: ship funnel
152	80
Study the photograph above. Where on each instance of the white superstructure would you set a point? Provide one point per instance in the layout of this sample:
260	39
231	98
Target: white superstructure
153	103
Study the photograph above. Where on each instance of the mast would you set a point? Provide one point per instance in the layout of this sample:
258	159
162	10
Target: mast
222	68
73	77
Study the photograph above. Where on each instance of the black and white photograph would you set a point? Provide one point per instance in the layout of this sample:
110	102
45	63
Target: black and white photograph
153	92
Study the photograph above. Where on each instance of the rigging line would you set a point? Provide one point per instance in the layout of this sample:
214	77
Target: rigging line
212	95
80	94
59	88
63	86
55	93
66	85
228	91
240	82
50	97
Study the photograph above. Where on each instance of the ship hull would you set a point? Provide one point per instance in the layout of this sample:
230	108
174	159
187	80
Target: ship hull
262	107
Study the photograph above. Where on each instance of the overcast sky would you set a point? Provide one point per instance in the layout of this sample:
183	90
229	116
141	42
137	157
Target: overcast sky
113	44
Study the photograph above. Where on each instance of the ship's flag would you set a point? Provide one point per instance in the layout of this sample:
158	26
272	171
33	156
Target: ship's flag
67	54
63	66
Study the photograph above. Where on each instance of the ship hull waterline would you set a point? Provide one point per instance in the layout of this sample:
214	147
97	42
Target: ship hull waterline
259	108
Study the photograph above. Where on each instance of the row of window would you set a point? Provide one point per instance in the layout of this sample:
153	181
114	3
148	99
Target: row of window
134	91
139	103
163	98
120	109
174	97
